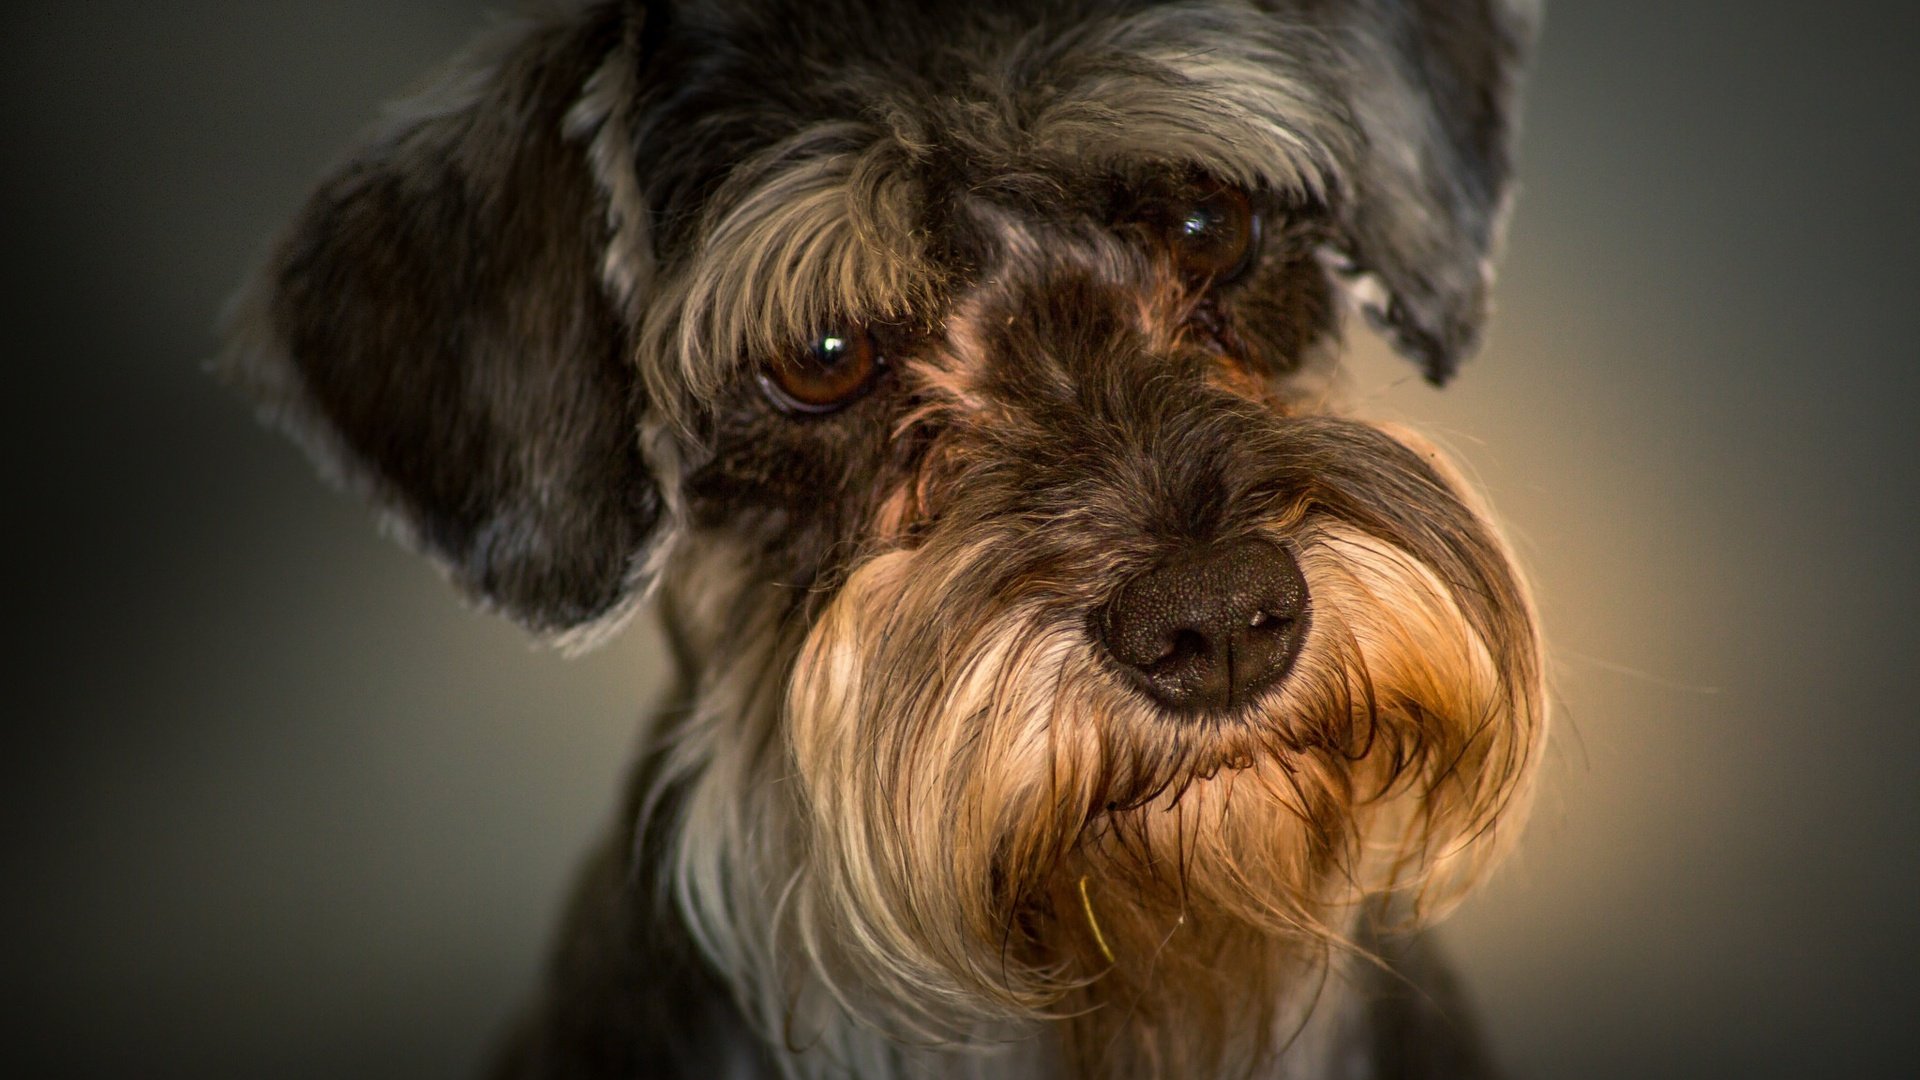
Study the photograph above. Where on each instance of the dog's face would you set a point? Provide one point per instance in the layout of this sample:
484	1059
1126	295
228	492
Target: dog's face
959	379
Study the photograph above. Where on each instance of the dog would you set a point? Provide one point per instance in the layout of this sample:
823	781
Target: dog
1066	684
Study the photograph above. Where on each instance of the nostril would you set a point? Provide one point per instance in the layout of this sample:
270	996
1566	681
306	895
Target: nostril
1185	645
1266	624
1211	628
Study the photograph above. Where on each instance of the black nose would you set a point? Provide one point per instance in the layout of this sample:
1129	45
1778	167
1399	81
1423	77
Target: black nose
1210	629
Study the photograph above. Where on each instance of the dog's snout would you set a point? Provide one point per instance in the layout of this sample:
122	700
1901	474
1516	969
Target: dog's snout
1210	629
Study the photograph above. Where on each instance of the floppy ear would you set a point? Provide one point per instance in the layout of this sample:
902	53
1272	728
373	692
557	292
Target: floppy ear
445	325
1433	87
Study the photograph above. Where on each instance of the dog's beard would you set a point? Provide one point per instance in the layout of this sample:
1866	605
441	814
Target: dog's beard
995	830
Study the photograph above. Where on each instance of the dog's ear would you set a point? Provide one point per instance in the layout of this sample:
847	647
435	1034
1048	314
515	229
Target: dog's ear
447	324
1433	87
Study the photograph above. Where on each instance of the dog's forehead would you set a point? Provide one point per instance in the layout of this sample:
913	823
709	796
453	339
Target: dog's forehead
820	162
992	95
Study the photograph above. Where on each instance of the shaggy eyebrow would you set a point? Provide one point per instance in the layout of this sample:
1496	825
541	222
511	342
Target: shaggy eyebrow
797	237
823	224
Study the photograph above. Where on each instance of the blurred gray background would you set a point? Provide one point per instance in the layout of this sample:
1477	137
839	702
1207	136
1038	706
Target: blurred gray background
278	806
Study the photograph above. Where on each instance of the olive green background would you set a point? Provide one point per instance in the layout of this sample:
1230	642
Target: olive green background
276	805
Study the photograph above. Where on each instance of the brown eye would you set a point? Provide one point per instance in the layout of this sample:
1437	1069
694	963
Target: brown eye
829	373
1215	236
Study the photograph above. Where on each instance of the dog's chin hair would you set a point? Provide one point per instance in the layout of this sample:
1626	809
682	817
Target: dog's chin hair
972	829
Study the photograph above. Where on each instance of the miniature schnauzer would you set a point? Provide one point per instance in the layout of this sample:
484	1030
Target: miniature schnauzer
1066	686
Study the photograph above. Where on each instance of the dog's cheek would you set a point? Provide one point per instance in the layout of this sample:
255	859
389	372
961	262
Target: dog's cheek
940	777
1276	320
859	732
1442	747
796	489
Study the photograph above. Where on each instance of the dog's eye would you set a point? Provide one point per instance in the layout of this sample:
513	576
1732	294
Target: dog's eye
1215	236
828	374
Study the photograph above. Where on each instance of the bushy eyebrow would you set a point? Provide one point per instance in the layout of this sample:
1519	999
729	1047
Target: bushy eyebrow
825	224
821	226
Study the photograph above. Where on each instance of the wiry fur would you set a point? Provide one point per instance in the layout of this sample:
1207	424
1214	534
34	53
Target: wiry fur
962	766
903	815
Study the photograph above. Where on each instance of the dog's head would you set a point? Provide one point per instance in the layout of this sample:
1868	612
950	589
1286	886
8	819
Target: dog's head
957	376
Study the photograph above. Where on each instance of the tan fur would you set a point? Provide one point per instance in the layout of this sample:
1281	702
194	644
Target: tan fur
947	819
915	813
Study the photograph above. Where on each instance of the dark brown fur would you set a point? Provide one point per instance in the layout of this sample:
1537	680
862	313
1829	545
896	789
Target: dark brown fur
904	815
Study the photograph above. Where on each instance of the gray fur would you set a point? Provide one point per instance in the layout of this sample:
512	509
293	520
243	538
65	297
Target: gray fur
434	330
532	320
1434	89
